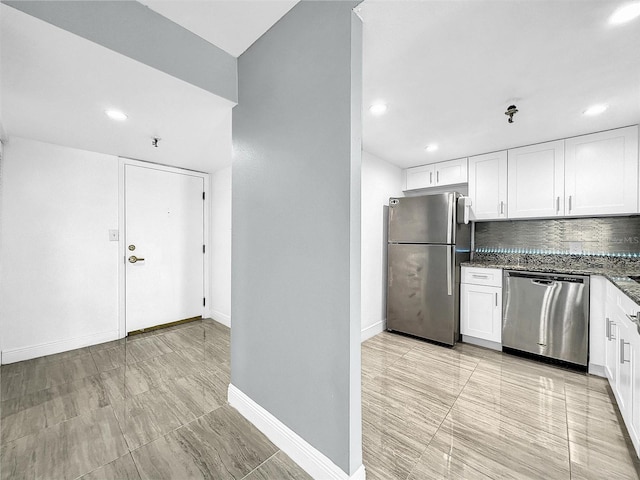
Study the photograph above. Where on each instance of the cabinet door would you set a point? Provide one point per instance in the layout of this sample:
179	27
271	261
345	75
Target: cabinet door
601	173
635	391
420	177
610	345
536	180
481	312
488	185
623	376
451	172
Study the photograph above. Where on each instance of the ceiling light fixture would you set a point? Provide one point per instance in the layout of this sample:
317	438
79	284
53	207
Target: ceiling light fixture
431	148
378	108
625	14
115	115
595	110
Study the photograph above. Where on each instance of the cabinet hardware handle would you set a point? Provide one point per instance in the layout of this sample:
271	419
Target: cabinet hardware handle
570	203
622	344
475	275
607	329
557	204
501	207
496	299
611	336
633	318
437	176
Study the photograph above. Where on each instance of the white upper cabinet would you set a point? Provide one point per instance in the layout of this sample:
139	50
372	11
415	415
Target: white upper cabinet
488	186
601	173
451	172
420	177
436	175
536	180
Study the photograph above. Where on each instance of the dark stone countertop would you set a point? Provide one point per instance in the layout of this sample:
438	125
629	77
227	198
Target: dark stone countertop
615	269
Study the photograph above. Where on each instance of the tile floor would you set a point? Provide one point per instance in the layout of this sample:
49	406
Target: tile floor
430	412
154	406
149	406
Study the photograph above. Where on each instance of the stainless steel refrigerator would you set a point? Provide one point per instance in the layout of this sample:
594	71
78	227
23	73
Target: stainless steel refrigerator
427	242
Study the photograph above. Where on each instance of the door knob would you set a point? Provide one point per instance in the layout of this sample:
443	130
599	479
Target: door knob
134	259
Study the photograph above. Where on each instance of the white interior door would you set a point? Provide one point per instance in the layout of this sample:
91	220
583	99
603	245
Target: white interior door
164	229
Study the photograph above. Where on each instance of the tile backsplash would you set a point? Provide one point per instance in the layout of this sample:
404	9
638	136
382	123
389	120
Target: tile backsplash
610	236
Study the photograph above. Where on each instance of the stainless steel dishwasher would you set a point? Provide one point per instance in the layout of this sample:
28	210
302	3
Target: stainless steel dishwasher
546	314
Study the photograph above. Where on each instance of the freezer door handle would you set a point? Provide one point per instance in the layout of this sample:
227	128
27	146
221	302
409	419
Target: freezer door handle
449	272
450	217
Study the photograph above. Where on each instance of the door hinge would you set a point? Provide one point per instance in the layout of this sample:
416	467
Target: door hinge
203	248
203	195
204	302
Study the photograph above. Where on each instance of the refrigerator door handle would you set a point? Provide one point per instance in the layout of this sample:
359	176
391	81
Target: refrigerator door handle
451	221
449	272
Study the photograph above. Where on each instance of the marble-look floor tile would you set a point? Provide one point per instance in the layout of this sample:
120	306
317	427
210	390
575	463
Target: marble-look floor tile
39	376
385	456
501	447
109	358
139	348
221	444
541	409
35	411
589	463
437	465
278	467
67	450
122	468
158	411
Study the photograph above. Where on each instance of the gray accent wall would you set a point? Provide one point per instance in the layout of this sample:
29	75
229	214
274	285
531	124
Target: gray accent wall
134	30
295	342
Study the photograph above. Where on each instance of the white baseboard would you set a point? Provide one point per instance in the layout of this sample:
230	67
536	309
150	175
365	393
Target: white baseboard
221	318
35	351
597	370
481	342
373	330
309	458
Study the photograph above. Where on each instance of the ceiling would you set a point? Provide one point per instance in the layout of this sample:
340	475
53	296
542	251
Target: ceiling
449	69
53	96
232	25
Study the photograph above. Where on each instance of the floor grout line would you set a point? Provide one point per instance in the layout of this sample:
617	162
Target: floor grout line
261	464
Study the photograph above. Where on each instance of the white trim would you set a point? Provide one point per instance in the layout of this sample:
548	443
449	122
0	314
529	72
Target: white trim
373	330
50	348
481	342
306	456
206	260
221	318
597	370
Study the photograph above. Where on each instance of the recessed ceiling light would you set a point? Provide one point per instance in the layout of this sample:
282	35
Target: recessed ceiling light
595	110
115	115
626	13
378	108
431	148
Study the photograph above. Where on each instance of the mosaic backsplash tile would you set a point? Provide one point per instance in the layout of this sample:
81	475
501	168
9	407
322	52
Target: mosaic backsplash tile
595	237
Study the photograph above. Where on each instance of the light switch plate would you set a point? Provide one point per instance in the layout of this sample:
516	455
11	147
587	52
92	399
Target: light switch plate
113	235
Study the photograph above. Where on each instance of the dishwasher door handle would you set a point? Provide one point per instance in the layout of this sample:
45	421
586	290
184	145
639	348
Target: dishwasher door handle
544	283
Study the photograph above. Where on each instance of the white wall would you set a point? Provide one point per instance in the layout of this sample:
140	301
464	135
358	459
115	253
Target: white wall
380	180
59	271
220	302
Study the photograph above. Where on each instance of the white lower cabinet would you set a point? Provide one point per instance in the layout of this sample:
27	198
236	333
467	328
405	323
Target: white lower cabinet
622	359
481	306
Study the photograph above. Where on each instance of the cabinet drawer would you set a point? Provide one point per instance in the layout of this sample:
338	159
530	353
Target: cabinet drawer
482	276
